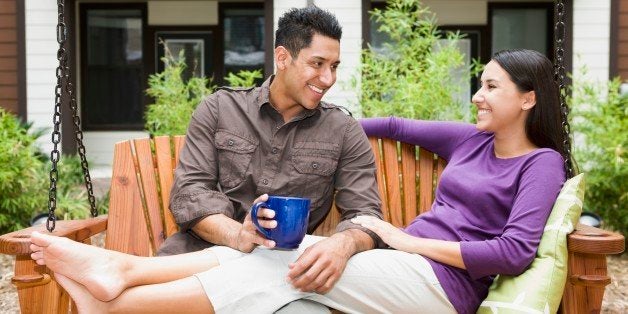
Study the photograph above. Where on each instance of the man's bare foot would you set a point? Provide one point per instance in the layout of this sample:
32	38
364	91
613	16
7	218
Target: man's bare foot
85	301
99	271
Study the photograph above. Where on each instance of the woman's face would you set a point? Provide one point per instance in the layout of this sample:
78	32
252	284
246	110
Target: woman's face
501	106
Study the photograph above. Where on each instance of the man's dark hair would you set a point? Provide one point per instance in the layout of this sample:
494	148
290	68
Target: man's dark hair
298	26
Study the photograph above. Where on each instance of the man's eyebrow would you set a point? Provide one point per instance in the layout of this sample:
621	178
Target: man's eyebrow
319	58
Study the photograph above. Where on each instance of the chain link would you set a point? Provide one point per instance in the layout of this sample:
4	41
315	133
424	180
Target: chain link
559	76
63	74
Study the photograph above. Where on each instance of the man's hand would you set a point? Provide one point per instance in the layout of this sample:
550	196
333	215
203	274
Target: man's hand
320	265
248	237
390	234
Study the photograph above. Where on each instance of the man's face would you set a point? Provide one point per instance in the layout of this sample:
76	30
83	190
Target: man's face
309	76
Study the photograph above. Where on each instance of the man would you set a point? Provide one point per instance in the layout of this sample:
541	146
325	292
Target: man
279	139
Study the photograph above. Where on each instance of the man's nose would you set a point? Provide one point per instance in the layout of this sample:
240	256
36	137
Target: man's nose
327	77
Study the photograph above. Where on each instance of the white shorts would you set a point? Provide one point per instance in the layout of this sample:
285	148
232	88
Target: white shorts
374	281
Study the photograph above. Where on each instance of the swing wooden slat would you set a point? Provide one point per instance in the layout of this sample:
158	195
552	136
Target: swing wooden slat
140	186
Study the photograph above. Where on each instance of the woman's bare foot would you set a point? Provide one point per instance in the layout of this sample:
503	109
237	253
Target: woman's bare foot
85	301
98	270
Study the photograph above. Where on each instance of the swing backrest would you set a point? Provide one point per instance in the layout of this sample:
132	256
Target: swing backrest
407	178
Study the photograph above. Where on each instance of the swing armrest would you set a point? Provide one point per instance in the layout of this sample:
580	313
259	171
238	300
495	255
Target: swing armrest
17	242
590	240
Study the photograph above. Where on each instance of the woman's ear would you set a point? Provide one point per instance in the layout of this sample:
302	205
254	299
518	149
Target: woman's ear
282	57
529	100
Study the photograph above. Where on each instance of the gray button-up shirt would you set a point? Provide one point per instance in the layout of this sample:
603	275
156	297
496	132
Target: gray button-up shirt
238	147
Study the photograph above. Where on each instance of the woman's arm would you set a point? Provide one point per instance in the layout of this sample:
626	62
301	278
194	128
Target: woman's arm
440	137
446	252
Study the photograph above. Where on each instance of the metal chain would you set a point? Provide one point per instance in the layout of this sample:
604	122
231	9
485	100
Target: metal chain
63	73
559	76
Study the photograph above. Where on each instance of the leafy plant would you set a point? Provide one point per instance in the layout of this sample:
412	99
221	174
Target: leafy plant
21	185
244	78
175	99
599	122
24	178
72	201
418	74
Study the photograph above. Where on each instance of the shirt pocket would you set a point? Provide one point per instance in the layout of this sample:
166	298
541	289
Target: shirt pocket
235	153
315	169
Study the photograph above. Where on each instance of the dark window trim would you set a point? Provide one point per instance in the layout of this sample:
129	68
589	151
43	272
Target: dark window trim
222	7
366	25
83	42
480	51
269	52
68	137
150	43
613	68
525	5
20	26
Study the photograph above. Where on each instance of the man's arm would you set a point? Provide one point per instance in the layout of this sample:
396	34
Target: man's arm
196	202
321	265
222	230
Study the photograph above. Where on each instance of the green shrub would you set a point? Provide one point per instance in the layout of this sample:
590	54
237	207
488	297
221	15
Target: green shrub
244	78
72	201
600	124
175	99
419	74
22	185
24	179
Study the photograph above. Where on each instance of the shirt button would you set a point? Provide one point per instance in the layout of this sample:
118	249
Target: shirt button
274	150
315	165
230	143
264	181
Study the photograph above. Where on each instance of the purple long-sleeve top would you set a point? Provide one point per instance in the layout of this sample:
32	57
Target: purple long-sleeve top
495	207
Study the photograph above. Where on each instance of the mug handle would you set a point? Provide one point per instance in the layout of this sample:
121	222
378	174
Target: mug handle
254	210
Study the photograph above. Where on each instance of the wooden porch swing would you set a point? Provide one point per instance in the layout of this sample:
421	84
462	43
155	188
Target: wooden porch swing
139	219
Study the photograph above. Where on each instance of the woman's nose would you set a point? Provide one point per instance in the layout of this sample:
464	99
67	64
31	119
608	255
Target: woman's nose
477	97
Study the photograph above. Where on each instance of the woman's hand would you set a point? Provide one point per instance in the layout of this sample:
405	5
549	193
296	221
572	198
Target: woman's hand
390	234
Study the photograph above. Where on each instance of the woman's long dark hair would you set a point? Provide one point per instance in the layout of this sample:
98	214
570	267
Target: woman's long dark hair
532	71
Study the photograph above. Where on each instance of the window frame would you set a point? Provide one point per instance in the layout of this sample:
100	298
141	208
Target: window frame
492	6
222	8
83	9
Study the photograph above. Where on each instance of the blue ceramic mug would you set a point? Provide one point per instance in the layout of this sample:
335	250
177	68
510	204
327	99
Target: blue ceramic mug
292	215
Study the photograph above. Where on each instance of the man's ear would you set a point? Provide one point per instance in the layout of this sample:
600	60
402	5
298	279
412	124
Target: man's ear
282	57
529	100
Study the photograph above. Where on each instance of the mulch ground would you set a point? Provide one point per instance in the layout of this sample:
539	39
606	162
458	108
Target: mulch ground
615	298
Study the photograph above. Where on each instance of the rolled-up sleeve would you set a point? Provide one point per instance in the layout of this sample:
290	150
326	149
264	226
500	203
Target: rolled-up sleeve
355	179
194	192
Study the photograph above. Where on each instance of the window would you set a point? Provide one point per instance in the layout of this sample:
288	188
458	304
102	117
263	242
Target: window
521	25
112	75
197	47
243	33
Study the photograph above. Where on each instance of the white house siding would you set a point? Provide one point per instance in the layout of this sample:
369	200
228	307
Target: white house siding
591	38
41	62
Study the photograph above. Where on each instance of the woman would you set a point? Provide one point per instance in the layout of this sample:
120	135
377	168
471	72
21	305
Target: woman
491	206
